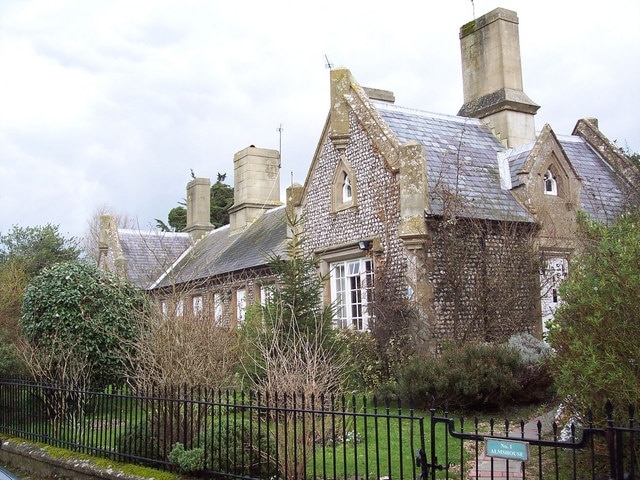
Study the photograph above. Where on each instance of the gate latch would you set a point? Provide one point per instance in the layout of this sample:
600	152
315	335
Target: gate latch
421	461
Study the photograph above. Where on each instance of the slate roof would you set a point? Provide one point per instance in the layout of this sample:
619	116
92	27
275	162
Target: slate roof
219	252
150	253
602	195
516	158
461	157
462	153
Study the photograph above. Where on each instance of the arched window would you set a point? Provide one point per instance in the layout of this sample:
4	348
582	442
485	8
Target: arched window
550	183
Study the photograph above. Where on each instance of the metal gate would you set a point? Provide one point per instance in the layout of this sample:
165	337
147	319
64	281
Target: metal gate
530	450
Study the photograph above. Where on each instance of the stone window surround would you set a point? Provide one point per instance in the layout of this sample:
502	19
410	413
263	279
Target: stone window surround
343	253
343	174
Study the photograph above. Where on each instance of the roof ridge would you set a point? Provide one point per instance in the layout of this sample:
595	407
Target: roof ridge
152	232
426	113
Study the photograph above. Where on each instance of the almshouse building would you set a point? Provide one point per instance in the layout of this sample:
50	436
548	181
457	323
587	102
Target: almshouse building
469	219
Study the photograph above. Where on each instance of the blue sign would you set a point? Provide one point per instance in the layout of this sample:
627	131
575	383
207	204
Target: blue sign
508	449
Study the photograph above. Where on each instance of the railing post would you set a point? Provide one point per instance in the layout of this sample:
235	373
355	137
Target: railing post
613	444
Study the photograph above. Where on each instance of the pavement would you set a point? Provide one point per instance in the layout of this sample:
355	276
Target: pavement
498	468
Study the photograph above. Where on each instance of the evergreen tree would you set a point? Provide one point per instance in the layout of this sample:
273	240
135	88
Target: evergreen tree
289	343
295	300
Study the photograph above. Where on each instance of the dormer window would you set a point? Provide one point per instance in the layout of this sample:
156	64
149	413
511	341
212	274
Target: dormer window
550	184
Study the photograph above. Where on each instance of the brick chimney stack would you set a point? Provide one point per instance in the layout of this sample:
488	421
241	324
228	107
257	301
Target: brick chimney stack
492	77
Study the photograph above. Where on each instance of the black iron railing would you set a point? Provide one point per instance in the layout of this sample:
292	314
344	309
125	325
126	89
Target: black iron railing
237	435
581	451
228	434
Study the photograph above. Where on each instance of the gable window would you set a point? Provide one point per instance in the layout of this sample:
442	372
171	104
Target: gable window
344	191
352	292
550	184
347	193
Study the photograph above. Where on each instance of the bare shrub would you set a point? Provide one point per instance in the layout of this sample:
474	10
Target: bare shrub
187	350
66	371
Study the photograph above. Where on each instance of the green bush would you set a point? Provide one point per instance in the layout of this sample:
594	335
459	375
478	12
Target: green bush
363	365
234	446
596	329
10	363
482	377
187	461
140	442
74	310
420	380
478	377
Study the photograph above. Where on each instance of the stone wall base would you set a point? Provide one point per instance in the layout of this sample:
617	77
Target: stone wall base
36	461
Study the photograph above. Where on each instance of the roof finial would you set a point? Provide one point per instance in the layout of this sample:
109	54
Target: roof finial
473	9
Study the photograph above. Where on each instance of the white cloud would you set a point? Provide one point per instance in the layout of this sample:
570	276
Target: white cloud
113	102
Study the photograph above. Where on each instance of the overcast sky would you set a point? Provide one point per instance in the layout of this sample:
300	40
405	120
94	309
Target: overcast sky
112	103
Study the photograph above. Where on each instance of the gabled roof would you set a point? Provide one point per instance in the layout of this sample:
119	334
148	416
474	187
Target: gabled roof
461	158
220	253
602	194
150	253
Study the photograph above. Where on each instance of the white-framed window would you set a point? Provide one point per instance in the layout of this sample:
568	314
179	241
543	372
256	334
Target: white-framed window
164	308
554	273
550	183
196	305
241	304
352	292
180	308
218	309
266	294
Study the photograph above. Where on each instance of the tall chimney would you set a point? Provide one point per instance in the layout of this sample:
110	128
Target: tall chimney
198	208
256	185
492	77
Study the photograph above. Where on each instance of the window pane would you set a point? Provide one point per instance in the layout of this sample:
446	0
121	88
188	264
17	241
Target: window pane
240	305
352	289
217	309
197	305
